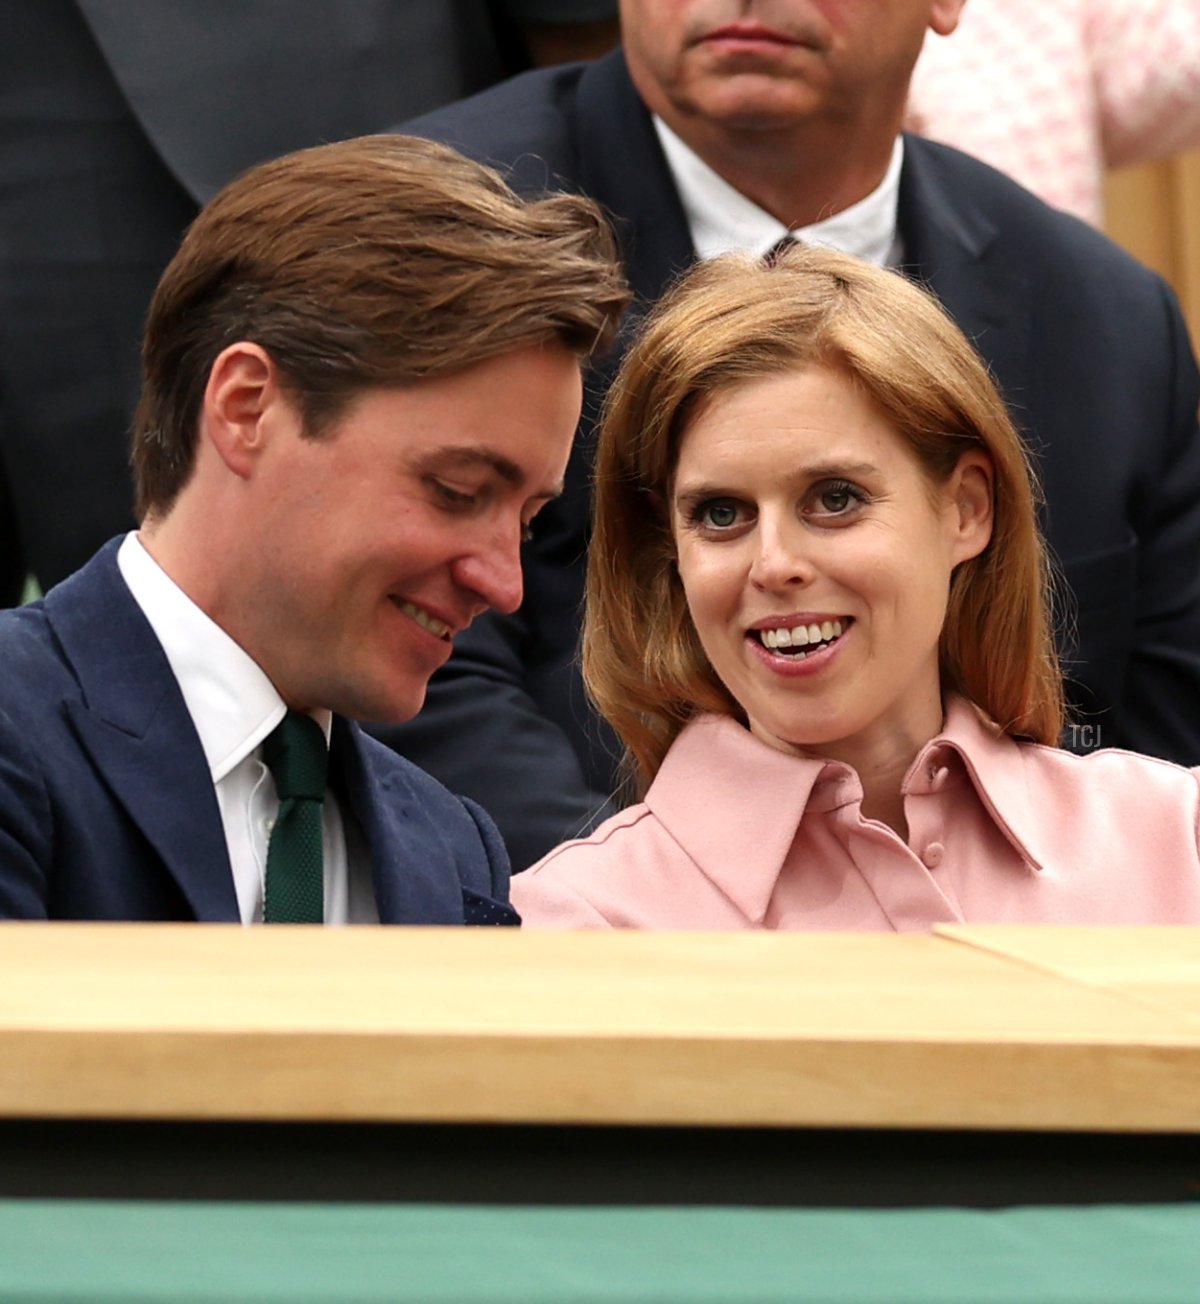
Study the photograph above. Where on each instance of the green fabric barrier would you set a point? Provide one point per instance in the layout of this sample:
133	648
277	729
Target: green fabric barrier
185	1253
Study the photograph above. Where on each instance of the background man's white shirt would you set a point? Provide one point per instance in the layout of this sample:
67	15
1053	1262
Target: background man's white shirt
722	220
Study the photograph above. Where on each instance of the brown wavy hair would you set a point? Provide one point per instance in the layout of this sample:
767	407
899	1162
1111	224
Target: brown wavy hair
377	261
734	320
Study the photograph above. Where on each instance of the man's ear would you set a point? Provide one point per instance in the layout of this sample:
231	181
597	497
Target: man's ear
243	388
944	15
970	506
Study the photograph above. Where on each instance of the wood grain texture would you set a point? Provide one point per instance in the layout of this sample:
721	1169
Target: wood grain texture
208	1022
1159	967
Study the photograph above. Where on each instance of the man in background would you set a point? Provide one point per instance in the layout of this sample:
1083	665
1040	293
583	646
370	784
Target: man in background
732	125
118	119
361	381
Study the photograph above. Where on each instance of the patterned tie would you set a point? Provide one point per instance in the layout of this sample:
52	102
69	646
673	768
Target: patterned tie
296	754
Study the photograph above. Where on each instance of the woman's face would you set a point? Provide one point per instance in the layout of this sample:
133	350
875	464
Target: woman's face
816	559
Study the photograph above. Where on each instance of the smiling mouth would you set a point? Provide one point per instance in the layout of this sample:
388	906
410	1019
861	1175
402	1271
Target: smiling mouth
438	628
799	641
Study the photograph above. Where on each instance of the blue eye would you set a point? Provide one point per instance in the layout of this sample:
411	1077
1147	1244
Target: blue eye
717	514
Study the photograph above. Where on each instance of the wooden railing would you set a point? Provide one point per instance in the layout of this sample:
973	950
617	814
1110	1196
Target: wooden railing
1045	1029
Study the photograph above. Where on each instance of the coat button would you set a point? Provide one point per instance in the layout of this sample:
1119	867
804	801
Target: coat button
933	855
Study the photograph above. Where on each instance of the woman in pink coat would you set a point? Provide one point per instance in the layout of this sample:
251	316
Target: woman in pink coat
818	618
1057	93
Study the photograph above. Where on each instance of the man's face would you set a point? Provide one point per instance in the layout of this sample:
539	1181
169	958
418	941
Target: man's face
378	542
766	65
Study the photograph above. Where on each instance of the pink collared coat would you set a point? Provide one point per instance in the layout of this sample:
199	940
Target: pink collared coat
734	835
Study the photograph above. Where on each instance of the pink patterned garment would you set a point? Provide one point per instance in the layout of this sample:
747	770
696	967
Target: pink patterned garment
734	834
1054	92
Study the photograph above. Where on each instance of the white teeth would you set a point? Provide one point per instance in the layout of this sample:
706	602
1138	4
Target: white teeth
436	627
801	636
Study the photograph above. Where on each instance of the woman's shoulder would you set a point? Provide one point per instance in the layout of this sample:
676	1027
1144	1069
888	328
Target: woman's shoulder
1110	768
662	863
607	879
1111	773
1061	806
1110	798
614	840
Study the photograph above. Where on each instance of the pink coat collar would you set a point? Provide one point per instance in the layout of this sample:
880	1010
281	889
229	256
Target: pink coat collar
740	842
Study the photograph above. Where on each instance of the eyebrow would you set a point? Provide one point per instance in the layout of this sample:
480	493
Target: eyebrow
467	455
813	472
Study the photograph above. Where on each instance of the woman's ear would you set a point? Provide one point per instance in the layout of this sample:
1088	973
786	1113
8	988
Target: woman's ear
243	385
969	498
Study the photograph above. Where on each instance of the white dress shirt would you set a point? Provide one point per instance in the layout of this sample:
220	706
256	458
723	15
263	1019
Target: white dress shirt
722	220
234	706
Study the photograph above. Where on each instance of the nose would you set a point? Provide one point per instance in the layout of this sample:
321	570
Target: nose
781	559
493	572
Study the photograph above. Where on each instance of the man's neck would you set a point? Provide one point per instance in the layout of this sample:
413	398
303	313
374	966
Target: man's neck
799	177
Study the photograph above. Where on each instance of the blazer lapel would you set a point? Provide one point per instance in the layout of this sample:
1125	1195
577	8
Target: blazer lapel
408	855
950	244
621	164
135	727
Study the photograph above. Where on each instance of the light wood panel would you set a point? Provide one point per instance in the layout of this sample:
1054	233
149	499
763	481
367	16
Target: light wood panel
496	1025
1158	966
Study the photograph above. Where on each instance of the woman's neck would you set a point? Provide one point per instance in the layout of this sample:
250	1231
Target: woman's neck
883	795
882	756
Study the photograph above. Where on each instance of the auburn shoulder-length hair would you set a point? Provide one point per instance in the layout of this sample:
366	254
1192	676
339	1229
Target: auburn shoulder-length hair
733	320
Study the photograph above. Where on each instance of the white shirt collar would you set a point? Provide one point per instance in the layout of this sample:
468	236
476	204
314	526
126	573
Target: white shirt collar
230	699
722	220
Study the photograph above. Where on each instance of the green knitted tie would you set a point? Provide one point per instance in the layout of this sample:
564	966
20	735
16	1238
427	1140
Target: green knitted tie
298	759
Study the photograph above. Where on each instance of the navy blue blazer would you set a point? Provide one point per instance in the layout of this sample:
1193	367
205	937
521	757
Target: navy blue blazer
107	808
1089	349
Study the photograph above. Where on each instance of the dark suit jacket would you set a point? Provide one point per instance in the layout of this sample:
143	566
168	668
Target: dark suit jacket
107	809
118	119
1088	347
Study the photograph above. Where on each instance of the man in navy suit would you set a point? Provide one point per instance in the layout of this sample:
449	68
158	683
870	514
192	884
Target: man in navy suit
361	381
728	124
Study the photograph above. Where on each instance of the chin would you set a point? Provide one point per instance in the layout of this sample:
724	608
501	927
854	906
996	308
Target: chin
767	109
810	734
396	710
380	703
